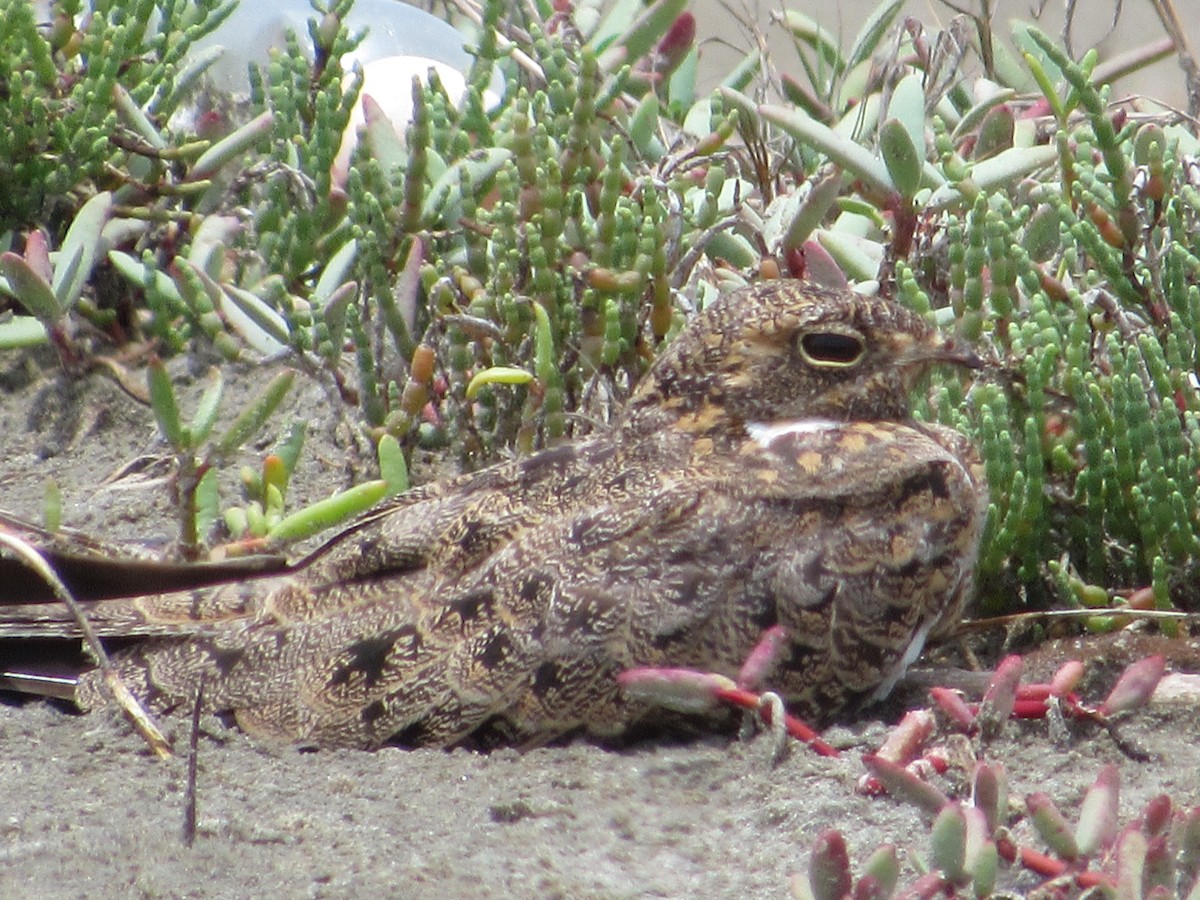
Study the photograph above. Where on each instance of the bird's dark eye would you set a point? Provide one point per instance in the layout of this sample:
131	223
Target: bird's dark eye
829	349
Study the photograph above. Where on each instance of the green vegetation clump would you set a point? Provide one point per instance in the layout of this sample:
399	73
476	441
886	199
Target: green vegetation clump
78	95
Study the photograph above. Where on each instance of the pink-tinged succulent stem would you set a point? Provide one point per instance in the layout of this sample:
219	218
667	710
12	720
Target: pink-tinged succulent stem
901	783
929	885
794	727
954	708
1001	694
906	740
698	692
1052	869
829	872
1049	867
1029	709
762	659
1066	678
1032	701
1098	815
1134	687
1039	691
1090	879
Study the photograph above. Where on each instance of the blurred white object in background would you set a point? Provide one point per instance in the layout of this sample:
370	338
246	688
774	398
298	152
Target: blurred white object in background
394	30
402	42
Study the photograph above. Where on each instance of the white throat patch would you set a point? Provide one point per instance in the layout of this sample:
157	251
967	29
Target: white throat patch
764	434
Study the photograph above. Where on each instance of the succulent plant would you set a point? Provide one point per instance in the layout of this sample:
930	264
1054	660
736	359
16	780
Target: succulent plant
1048	226
983	841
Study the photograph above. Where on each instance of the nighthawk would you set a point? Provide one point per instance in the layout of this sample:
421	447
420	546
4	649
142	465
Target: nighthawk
766	471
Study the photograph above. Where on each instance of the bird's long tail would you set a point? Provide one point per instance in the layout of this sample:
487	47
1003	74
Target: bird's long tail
123	595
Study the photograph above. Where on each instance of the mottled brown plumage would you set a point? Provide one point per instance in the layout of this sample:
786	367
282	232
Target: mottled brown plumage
766	471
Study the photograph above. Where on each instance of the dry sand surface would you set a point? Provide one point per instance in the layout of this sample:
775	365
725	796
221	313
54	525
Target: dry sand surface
85	811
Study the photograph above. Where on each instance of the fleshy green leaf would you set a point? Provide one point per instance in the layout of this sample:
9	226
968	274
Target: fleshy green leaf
497	375
231	146
392	466
79	249
327	513
205	416
27	286
900	157
165	406
873	30
255	415
22	331
852	157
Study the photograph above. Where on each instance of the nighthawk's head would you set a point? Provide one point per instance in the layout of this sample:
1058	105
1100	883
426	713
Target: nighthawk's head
786	350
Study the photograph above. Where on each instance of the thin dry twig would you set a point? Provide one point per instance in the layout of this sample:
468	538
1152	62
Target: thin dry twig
472	11
1038	615
189	791
1123	64
1169	17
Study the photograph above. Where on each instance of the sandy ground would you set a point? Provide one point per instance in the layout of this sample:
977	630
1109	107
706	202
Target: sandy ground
86	811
